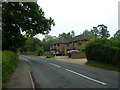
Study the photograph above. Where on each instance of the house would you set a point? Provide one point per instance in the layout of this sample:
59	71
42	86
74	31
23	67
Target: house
75	43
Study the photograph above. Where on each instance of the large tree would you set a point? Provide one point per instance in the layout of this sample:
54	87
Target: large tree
25	17
104	33
68	35
47	41
117	35
31	44
99	31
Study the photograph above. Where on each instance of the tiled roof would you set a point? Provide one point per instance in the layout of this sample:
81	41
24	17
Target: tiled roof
60	41
80	37
77	38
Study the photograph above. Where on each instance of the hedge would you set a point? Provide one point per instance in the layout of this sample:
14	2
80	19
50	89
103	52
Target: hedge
104	50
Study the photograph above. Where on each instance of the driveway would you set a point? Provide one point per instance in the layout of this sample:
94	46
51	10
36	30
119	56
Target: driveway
70	60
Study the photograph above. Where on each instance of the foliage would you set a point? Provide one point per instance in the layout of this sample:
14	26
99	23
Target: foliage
87	32
94	32
99	31
39	51
32	44
103	66
103	31
9	63
25	17
117	35
49	56
103	50
68	35
47	41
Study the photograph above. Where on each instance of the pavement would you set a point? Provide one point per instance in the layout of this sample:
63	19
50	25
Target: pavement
21	77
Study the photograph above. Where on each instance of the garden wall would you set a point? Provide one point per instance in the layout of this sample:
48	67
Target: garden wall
78	55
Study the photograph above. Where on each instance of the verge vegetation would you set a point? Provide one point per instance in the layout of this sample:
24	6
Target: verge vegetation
49	56
102	52
9	63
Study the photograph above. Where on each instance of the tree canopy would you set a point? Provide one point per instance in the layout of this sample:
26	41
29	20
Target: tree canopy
117	35
47	41
68	35
99	31
25	17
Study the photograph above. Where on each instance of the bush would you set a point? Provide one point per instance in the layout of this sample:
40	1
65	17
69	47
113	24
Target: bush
9	63
49	56
103	50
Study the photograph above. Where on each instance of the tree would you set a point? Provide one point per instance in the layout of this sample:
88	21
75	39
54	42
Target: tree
73	33
31	45
99	31
103	31
47	41
87	32
117	35
94	32
68	35
20	17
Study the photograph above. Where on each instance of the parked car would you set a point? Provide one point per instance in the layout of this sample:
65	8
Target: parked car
56	53
70	51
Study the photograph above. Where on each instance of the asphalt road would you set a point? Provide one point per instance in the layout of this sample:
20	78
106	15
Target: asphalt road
49	73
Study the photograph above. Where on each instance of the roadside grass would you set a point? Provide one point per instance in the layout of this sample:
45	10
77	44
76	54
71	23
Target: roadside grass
9	64
103	66
49	56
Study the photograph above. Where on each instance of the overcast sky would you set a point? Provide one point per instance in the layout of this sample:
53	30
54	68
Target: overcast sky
79	15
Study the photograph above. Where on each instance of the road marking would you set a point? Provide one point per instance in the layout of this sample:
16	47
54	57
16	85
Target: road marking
86	77
44	61
55	65
32	82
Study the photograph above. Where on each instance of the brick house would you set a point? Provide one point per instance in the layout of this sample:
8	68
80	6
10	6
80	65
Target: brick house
75	43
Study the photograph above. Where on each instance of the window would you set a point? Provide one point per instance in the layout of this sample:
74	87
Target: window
79	42
58	45
67	44
73	44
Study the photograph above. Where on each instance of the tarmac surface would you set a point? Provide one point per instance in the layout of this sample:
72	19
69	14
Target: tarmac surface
51	73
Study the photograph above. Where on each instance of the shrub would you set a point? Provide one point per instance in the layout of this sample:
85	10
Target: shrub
49	56
9	63
103	50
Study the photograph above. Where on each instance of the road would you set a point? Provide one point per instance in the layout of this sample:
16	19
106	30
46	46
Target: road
50	73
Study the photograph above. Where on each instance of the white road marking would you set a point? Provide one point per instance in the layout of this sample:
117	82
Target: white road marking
33	85
86	77
55	65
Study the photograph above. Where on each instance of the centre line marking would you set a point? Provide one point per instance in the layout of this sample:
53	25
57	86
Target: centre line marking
55	65
86	77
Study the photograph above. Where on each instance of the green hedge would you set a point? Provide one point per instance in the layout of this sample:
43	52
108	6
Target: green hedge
104	50
9	63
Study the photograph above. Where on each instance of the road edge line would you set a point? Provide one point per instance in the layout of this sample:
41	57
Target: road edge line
33	85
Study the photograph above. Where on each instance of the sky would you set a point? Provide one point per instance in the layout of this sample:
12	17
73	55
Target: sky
79	15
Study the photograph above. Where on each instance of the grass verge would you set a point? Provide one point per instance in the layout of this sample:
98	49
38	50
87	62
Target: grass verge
103	66
49	56
9	63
